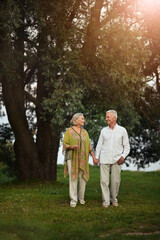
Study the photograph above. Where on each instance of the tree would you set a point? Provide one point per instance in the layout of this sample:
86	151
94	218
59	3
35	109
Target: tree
62	56
146	137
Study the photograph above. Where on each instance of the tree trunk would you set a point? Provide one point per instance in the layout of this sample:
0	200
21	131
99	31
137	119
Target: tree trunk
47	143
47	146
91	40
34	160
25	148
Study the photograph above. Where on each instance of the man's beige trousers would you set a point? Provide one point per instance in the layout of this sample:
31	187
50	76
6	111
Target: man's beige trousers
110	195
73	186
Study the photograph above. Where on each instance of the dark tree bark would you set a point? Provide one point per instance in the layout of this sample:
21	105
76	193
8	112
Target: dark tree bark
25	148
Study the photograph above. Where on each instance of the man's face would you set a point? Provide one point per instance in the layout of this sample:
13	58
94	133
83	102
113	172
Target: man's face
110	119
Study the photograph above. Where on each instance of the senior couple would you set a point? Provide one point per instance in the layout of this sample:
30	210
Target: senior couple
111	150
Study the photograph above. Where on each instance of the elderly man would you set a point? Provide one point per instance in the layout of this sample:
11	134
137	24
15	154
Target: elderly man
112	148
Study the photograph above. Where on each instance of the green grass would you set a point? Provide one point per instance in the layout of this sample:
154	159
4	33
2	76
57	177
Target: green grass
38	211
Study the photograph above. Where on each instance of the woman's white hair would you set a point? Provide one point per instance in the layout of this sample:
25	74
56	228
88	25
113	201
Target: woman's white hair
75	116
113	112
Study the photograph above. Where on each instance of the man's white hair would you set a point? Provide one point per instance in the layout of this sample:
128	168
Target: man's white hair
113	112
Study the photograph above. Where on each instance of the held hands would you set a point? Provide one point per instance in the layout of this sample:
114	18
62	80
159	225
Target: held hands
120	161
95	161
74	147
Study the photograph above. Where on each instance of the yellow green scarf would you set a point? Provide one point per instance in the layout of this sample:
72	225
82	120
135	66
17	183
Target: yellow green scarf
79	158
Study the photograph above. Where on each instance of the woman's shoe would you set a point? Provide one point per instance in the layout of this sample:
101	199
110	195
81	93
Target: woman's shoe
73	203
115	204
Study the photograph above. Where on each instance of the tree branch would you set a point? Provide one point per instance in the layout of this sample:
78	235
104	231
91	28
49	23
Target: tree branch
30	74
32	99
157	81
74	10
148	119
90	44
116	10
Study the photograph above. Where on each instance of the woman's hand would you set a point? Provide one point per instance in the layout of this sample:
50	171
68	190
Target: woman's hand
74	147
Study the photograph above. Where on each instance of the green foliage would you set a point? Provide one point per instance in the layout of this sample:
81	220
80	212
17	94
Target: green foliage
105	78
34	210
146	137
7	157
62	105
10	19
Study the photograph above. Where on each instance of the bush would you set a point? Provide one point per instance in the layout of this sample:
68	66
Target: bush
7	156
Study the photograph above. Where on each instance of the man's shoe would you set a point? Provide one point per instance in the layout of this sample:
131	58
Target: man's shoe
82	201
115	204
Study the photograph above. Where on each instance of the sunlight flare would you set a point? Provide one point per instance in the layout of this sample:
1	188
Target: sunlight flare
150	3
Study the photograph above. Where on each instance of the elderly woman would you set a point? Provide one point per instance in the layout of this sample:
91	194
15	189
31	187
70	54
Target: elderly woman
77	146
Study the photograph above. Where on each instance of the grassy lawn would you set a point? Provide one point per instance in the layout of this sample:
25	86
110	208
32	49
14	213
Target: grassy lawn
38	211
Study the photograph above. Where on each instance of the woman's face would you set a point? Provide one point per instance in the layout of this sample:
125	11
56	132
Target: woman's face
80	121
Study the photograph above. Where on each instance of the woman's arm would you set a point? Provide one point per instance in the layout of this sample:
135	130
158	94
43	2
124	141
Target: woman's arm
95	160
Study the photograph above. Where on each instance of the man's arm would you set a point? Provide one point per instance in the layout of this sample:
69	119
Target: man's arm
126	145
99	146
126	148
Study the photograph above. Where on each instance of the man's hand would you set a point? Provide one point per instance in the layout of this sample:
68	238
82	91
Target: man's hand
95	161
120	161
74	147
